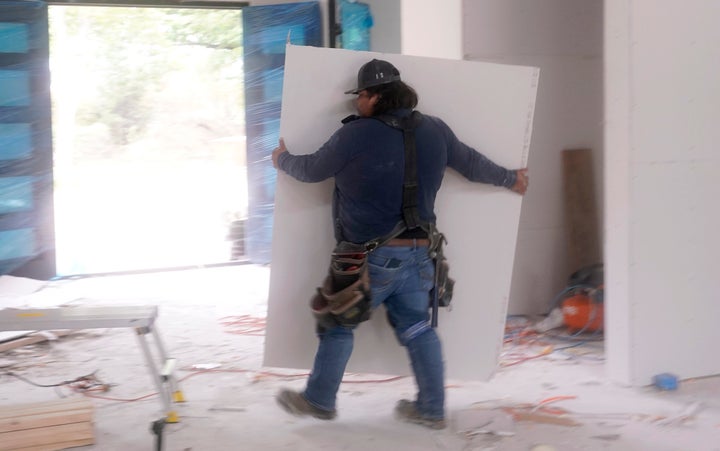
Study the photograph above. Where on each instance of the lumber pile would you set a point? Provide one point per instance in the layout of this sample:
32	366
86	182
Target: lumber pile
47	426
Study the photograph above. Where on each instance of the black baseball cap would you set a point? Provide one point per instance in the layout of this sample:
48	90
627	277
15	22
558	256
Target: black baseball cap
374	73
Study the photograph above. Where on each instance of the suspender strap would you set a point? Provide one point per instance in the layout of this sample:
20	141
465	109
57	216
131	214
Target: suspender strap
411	216
410	184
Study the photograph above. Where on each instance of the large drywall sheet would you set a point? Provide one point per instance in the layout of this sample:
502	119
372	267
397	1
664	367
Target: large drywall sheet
490	106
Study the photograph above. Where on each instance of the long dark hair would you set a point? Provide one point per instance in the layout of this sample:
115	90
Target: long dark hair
393	96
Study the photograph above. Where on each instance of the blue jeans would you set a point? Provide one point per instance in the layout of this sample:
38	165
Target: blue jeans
401	278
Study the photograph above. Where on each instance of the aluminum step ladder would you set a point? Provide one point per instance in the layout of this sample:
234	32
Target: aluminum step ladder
140	318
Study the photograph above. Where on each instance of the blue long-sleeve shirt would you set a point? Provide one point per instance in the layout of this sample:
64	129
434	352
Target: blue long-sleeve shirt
367	157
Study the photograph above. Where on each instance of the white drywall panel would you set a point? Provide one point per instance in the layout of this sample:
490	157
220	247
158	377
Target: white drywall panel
662	69
618	145
676	80
490	107
675	249
564	39
385	34
567	28
432	28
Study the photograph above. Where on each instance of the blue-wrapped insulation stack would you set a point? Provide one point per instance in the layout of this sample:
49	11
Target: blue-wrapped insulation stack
266	31
26	200
356	22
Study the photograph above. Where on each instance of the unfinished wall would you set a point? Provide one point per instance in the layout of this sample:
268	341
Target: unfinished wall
432	28
662	241
564	39
385	33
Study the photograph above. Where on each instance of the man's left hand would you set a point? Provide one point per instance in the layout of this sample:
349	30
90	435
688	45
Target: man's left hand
522	181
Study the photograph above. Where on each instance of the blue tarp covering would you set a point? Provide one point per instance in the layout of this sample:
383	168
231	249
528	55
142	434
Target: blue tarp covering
26	226
266	31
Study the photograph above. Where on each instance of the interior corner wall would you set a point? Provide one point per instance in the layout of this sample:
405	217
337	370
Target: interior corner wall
662	241
385	32
564	38
431	28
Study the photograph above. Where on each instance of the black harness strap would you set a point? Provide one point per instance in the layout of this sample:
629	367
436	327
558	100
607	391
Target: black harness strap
411	216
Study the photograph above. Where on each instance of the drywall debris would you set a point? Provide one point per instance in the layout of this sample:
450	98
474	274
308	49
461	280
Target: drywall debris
475	421
543	448
608	437
687	414
552	321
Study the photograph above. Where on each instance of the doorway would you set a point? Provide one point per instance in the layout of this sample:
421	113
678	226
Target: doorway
149	137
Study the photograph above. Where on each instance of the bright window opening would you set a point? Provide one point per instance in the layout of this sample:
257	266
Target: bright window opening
149	137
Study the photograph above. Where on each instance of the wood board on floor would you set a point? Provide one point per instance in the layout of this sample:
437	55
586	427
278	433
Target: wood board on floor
490	107
47	426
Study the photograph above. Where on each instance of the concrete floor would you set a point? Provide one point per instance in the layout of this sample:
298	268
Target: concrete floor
211	320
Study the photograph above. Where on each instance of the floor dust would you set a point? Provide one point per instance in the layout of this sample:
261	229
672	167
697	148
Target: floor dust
549	393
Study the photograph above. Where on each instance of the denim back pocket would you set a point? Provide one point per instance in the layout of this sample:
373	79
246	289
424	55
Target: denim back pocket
384	271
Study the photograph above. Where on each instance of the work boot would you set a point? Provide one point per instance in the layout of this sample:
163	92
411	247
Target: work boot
406	410
296	404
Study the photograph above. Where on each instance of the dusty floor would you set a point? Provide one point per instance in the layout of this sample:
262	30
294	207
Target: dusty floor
212	318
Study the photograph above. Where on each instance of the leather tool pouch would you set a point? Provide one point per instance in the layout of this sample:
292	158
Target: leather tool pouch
344	297
443	283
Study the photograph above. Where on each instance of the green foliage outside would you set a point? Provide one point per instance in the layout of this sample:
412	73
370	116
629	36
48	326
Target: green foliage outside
129	51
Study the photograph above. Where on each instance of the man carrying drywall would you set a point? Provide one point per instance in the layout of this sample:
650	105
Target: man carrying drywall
392	244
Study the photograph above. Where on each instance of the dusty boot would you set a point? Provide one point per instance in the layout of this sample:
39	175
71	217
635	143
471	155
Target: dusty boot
296	404
406	411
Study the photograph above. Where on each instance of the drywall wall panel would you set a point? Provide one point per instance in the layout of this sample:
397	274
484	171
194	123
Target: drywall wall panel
501	28
618	145
675	249
564	39
676	74
432	28
662	69
385	35
490	106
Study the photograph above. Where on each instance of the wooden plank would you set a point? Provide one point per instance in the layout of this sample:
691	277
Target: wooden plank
58	446
46	436
581	218
542	418
45	420
9	336
30	340
60	405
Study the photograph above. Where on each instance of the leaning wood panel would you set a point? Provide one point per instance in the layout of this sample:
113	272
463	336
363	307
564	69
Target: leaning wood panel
581	220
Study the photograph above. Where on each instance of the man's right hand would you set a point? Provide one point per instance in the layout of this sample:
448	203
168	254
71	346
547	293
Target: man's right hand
277	151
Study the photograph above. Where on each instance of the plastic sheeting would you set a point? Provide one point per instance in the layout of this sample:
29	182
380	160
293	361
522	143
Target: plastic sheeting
356	22
266	30
25	137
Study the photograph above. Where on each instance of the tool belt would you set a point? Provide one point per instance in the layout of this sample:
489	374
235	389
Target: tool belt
344	297
442	292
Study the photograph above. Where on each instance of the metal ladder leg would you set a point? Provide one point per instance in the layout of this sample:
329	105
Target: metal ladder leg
168	372
141	333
